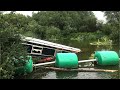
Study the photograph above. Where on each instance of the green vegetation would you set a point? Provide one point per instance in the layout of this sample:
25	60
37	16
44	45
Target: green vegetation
103	41
113	25
85	36
10	46
52	25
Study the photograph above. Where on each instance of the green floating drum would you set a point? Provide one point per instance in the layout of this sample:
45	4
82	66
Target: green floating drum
107	57
27	68
29	65
66	60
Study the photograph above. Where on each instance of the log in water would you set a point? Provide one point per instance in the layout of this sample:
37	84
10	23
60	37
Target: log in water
79	69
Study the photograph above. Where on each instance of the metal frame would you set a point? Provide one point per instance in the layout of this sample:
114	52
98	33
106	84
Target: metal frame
56	49
36	49
50	44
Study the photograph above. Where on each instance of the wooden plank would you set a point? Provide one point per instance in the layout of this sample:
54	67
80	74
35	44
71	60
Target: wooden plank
79	69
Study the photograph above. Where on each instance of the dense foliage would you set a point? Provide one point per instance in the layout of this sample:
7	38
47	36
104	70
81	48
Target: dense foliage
113	24
64	22
10	46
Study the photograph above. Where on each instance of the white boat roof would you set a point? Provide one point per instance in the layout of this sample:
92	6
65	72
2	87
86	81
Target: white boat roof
51	44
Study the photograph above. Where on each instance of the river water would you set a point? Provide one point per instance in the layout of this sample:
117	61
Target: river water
87	50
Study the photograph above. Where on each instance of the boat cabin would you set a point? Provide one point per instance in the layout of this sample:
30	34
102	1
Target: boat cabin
44	48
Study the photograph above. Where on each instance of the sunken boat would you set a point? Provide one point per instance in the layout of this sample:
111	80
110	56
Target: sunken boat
45	49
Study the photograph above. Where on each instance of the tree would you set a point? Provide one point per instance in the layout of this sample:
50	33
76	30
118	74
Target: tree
113	19
67	21
10	45
52	32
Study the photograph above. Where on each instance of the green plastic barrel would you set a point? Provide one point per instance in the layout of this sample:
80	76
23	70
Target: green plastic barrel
29	65
66	60
27	68
107	57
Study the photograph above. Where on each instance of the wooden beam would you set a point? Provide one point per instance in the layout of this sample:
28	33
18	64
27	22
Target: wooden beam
79	69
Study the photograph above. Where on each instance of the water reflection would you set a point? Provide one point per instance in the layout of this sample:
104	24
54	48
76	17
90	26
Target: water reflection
96	75
66	75
50	75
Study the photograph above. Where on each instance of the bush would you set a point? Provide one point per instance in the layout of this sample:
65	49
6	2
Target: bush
85	36
10	48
